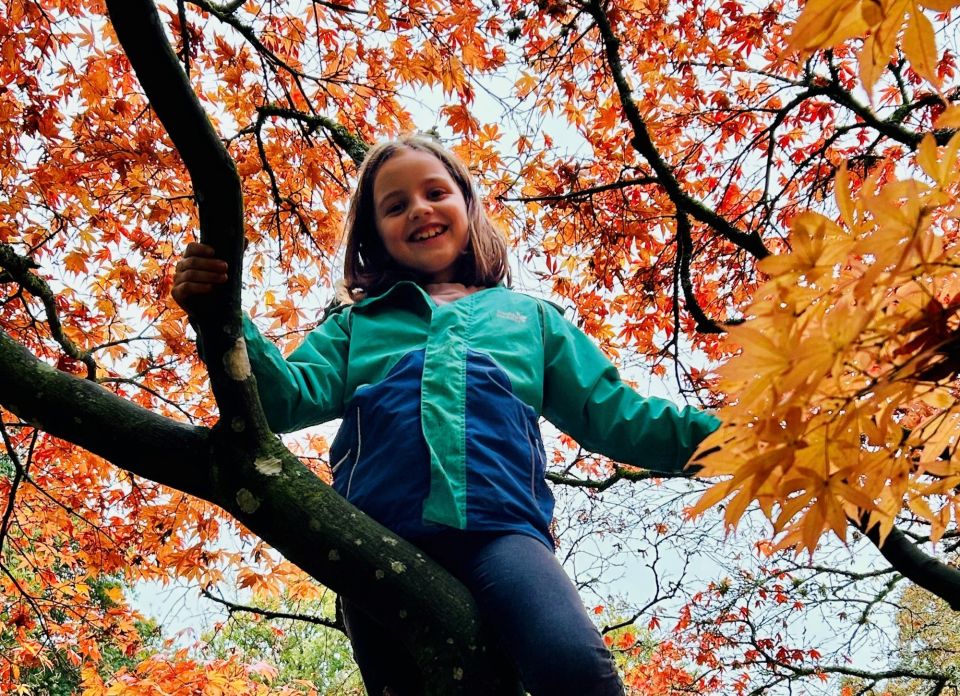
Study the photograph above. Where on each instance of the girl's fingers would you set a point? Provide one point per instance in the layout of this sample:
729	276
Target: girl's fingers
185	290
193	263
197	273
198	249
215	277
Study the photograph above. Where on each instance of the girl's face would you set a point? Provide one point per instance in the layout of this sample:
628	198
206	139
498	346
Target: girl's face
421	214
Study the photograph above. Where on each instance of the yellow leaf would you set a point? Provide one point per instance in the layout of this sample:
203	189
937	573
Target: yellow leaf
920	47
921	508
884	522
950	118
841	190
872	12
812	526
835	516
736	508
711	497
824	23
879	46
790	509
927	156
869	71
948	163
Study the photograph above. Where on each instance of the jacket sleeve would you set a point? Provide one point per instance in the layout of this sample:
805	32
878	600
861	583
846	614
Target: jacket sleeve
305	388
585	397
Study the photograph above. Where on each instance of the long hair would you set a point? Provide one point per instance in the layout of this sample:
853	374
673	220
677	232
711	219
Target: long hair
367	267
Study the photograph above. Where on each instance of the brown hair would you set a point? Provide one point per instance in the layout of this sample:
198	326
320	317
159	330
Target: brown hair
367	267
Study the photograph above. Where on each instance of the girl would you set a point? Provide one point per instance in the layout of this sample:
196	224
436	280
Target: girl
440	373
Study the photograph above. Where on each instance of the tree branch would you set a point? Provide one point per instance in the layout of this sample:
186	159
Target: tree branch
685	252
336	624
926	571
18	268
620	473
18	476
355	147
642	141
580	193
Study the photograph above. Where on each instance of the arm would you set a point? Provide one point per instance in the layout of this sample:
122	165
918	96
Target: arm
305	388
585	397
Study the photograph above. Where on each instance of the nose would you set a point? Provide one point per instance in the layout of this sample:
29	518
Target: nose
419	207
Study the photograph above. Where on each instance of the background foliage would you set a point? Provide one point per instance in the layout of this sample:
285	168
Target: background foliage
694	180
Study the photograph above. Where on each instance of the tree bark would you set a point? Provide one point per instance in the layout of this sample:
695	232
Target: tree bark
910	561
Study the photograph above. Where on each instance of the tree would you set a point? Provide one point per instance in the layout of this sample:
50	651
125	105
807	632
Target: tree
295	635
704	137
927	633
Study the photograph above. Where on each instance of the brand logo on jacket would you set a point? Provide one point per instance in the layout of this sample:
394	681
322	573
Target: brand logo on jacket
515	317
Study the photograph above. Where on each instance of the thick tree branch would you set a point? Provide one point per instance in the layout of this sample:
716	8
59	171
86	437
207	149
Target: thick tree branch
926	571
217	192
227	8
86	414
890	127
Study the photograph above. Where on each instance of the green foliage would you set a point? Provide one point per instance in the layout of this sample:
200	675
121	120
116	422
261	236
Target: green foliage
300	651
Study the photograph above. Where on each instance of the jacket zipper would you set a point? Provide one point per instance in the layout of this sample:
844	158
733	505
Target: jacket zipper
533	465
336	466
356	460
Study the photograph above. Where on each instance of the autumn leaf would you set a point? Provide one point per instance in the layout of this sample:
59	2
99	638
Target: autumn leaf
919	45
950	118
823	24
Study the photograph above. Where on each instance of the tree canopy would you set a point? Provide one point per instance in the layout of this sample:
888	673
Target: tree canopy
756	202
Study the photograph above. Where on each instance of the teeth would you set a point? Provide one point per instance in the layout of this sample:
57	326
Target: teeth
428	233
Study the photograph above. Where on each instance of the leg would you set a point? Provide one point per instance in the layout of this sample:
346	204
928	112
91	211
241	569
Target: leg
538	617
387	669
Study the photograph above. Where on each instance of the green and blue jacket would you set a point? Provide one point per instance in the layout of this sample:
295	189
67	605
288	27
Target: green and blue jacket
441	407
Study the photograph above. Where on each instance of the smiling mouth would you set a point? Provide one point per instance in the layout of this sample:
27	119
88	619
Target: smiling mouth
428	233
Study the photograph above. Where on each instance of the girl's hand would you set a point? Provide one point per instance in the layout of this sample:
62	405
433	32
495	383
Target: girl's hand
197	273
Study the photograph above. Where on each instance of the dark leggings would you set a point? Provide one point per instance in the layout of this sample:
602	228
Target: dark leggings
529	604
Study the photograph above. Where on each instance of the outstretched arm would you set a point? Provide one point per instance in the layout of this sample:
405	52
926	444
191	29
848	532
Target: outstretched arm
585	397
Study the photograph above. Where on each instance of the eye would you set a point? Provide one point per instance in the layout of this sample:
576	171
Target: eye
393	208
437	193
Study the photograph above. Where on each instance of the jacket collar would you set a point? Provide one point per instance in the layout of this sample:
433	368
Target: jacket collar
403	288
